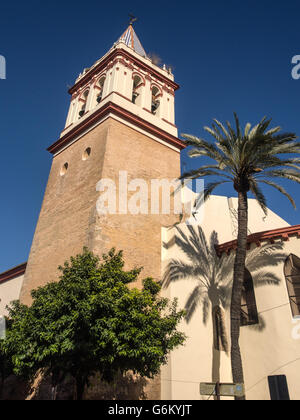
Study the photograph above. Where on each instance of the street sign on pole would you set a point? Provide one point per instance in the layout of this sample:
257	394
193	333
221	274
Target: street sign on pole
222	390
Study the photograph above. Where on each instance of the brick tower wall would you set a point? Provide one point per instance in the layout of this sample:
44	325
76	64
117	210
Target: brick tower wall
69	221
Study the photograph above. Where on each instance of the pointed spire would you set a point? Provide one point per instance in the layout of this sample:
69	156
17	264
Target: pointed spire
131	39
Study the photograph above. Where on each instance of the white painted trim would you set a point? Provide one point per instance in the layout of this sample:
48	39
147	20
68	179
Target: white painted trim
121	120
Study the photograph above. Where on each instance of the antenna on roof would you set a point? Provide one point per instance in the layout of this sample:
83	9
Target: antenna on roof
132	19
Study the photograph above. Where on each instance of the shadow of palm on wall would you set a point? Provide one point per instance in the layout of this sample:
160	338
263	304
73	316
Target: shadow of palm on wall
214	276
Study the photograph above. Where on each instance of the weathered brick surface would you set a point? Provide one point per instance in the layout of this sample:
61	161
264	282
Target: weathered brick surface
68	210
69	220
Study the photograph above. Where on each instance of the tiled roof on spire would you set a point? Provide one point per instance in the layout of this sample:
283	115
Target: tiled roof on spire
131	39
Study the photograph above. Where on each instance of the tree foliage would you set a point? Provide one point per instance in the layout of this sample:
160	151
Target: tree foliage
6	365
248	158
92	322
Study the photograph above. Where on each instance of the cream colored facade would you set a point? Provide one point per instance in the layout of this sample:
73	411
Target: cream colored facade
275	350
9	291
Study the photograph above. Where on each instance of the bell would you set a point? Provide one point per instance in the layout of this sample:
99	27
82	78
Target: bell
134	96
155	105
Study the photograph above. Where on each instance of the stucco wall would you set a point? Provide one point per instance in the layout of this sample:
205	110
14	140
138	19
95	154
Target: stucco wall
9	291
271	351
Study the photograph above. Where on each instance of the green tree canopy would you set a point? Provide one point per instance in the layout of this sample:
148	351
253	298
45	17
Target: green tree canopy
92	322
6	366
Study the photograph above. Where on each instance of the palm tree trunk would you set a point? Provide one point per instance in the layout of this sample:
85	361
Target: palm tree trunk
238	279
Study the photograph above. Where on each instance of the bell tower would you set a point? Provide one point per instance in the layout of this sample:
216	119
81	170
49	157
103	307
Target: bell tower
121	118
125	78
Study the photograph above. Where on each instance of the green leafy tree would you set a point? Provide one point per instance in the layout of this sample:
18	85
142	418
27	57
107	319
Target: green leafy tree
16	327
248	159
92	322
6	366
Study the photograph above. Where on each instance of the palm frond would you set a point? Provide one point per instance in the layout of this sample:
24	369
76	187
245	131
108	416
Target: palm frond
258	194
205	172
237	125
267	255
210	148
224	296
177	270
280	189
265	278
221	126
287	174
247	129
205	308
195	251
193	302
209	188
214	133
273	131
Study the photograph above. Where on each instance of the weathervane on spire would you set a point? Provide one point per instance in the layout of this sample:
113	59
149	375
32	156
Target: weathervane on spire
132	19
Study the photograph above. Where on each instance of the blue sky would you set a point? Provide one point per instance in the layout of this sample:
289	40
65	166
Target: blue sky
227	56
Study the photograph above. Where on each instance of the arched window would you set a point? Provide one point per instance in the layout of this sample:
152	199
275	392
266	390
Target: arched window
292	275
100	86
84	102
249	314
155	100
137	90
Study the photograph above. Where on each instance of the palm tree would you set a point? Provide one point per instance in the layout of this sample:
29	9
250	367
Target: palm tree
246	159
214	280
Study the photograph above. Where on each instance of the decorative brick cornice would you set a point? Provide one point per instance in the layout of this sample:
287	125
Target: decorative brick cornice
13	273
258	238
107	62
111	108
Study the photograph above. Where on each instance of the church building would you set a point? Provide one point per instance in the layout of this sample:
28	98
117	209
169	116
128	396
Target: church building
122	120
